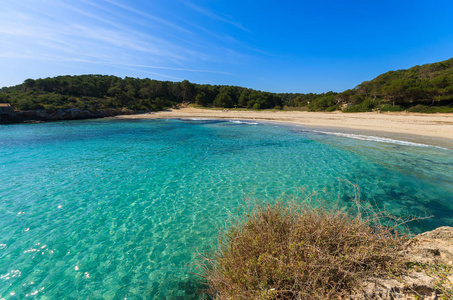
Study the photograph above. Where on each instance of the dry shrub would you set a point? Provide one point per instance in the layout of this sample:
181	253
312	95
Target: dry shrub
297	251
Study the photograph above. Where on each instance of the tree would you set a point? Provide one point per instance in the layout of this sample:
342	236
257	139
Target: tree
244	98
29	83
188	90
223	100
200	99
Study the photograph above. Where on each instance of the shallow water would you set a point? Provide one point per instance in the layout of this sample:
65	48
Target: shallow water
118	209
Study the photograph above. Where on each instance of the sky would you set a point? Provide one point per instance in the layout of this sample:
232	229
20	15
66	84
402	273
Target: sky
277	46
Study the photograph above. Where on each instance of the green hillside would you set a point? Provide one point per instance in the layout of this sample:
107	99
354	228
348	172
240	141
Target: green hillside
95	92
427	88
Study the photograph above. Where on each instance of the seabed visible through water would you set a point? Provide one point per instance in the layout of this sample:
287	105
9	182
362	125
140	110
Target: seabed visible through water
119	209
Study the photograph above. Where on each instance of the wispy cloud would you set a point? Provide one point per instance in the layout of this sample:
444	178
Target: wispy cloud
148	66
177	69
98	36
88	37
148	16
158	75
125	36
213	15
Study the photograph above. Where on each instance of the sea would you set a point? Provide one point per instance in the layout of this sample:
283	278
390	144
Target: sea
123	209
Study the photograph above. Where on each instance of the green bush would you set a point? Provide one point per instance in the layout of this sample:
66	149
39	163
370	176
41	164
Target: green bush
323	102
257	106
332	108
292	251
389	107
354	108
430	109
366	105
444	109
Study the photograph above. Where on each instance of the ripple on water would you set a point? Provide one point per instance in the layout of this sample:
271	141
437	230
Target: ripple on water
119	209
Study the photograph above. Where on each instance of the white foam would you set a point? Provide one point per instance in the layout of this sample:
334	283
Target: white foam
374	139
243	122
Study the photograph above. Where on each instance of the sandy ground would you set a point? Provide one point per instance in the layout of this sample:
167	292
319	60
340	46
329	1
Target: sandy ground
424	125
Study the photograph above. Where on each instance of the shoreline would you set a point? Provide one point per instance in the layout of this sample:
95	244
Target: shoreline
432	129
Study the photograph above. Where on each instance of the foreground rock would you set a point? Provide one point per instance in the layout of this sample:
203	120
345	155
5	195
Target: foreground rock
43	115
429	257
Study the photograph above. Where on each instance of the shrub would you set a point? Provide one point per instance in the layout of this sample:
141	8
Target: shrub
223	100
332	108
389	107
419	108
430	109
365	106
444	109
322	102
257	106
296	251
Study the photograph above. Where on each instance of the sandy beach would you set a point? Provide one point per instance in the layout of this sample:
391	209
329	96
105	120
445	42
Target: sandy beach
438	126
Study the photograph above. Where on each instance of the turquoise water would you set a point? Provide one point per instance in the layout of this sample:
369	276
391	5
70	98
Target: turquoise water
111	209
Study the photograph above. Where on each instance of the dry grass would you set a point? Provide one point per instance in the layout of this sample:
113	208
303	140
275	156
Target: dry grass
297	251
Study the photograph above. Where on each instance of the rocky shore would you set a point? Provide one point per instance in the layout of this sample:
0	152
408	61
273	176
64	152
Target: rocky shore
43	115
429	274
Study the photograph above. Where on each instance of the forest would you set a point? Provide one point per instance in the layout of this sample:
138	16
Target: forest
427	88
94	92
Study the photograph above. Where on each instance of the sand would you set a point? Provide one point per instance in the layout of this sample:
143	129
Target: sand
434	126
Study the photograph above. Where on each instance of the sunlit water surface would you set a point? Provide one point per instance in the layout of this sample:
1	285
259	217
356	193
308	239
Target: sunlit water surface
118	209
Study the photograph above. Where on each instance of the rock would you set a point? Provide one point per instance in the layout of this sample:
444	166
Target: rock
432	247
73	114
424	252
43	115
379	288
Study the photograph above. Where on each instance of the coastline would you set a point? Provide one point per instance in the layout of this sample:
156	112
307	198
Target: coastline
433	129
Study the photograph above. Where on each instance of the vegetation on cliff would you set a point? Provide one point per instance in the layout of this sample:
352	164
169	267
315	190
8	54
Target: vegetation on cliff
314	250
297	251
427	88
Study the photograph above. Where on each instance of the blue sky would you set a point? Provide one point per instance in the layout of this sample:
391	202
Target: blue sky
277	46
